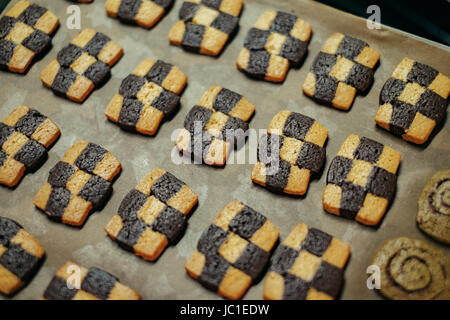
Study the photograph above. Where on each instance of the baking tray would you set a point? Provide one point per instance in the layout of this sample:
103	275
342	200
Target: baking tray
166	278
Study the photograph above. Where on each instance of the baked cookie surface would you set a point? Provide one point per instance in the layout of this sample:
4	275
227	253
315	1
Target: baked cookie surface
74	282
142	12
25	137
412	270
361	180
433	216
25	32
277	41
78	184
290	153
150	93
84	64
413	101
233	251
216	124
20	256
343	68
153	215
309	265
205	26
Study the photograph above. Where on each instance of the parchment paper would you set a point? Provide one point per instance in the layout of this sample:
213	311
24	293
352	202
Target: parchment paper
166	279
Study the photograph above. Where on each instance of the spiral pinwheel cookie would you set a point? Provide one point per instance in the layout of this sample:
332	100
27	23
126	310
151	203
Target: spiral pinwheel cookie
25	32
413	101
84	64
74	282
146	96
343	68
78	184
25	137
205	26
309	265
216	124
412	269
433	216
290	154
361	180
20	256
142	12
233	251
152	215
277	41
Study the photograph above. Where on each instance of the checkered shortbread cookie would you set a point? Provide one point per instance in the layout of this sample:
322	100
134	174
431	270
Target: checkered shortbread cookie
294	145
74	282
20	256
84	64
276	41
25	32
78	184
233	251
361	180
344	67
25	136
309	265
152	215
142	12
214	124
413	101
206	25
146	96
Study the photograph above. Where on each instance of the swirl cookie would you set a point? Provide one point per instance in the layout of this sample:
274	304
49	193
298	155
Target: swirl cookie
277	41
413	101
233	251
412	269
343	68
433	216
20	256
205	26
150	93
82	65
290	154
142	12
74	282
25	33
78	184
152	215
25	137
216	124
309	265
361	180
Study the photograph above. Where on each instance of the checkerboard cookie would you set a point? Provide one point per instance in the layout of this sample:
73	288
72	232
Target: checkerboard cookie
277	41
146	96
413	101
309	265
78	184
290	153
20	256
233	251
152	215
361	180
205	26
412	270
433	216
25	137
216	123
343	68
82	65
75	282
25	32
142	12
